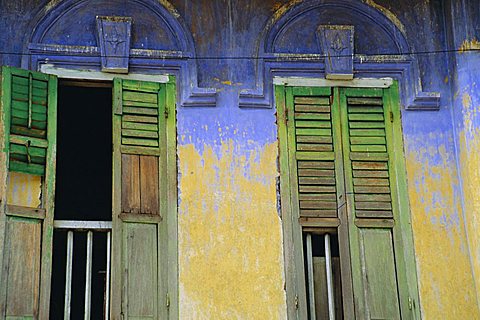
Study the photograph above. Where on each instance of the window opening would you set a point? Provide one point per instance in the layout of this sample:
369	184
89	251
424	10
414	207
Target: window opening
83	202
322	275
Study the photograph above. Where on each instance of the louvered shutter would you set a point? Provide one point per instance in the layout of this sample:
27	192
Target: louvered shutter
140	183
316	175
28	138
377	264
314	155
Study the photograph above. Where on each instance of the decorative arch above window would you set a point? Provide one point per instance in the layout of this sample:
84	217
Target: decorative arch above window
290	47
65	35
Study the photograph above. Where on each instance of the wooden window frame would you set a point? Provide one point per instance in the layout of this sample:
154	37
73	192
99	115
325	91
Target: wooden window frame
167	243
292	229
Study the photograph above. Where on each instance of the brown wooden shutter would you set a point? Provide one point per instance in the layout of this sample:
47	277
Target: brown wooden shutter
28	139
139	174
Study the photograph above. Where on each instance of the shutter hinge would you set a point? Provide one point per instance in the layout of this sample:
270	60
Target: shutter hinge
410	303
331	99
167	301
391	116
296	301
166	113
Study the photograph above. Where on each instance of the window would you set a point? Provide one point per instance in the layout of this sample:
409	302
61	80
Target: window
348	247
121	224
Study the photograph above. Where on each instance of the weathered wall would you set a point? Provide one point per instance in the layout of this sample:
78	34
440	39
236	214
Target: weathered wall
230	238
464	36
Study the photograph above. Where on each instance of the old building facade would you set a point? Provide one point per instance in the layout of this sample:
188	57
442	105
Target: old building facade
292	159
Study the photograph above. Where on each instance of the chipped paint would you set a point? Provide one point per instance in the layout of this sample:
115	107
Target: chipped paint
469	154
467	45
230	238
24	190
438	228
390	15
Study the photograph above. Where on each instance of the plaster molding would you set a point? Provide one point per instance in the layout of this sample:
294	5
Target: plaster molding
181	63
402	66
316	82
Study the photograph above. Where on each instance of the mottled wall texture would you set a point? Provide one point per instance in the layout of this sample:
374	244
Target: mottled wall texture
229	225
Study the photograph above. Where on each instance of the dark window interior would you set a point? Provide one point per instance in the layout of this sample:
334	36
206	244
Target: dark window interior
83	191
84	154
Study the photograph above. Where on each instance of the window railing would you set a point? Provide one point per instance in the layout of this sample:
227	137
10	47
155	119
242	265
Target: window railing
312	290
74	226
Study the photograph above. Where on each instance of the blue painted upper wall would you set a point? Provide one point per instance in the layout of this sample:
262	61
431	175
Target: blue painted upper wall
223	45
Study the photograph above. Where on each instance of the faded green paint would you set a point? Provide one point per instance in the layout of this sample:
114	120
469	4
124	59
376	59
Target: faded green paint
359	249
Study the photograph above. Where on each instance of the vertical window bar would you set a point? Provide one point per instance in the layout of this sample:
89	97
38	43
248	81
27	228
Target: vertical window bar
88	277
30	99
68	276
107	276
328	264
311	288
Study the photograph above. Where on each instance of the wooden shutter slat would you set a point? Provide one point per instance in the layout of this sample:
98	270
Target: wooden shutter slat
140	142
140	104
312	124
312	108
139	126
368	148
318	213
364	101
373	197
307	155
316	165
140	133
365	109
140	111
142	119
369	165
371	189
314	147
316	173
312	100
139	96
368	140
317	197
312	116
314	139
23	81
370	182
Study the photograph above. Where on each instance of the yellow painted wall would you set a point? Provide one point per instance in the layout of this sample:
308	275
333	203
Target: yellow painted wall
469	151
230	235
446	283
24	190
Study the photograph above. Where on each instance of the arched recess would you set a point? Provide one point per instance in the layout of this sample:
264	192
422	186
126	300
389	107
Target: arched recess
64	35
289	47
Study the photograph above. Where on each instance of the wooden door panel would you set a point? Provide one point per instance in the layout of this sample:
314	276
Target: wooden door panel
23	278
140	261
380	275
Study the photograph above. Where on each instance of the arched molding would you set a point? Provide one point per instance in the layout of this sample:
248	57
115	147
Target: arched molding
275	58
177	59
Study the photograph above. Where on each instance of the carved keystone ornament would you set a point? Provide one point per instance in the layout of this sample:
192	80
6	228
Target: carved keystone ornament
114	35
336	42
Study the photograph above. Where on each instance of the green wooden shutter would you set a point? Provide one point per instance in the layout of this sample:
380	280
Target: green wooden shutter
28	139
379	279
140	193
314	154
316	180
341	160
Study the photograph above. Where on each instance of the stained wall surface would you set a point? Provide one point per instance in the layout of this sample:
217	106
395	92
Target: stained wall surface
229	224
